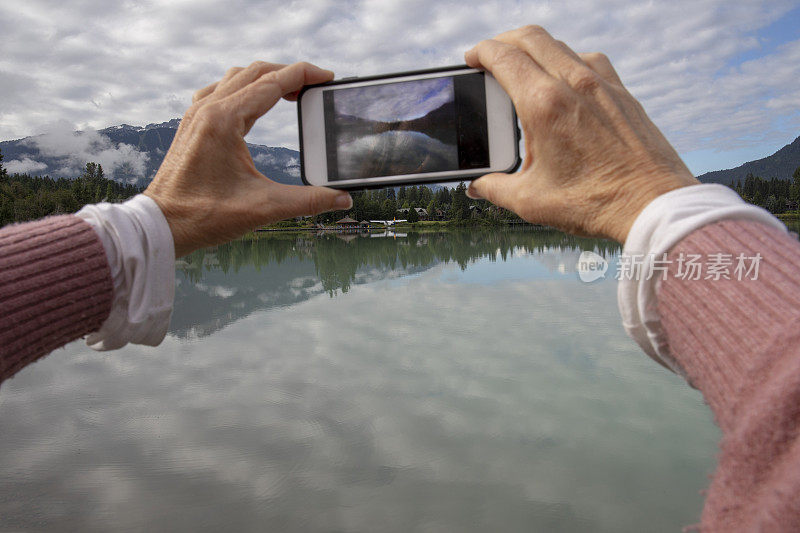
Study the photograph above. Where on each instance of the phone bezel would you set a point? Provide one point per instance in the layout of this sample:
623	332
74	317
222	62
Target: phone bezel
406	179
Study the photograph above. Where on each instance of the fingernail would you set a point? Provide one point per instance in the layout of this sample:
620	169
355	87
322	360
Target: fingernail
472	193
343	201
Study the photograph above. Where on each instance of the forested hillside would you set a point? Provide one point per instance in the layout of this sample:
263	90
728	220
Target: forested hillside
24	197
779	165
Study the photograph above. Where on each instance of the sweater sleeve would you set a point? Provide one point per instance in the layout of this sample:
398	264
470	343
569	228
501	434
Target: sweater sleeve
55	286
737	342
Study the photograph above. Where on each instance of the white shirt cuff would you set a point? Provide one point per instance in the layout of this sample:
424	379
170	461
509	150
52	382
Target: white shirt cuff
660	226
141	256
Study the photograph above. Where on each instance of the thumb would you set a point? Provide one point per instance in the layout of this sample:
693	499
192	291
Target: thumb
286	201
499	188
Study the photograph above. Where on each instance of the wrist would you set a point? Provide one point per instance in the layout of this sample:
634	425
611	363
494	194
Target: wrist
661	225
139	248
177	221
628	202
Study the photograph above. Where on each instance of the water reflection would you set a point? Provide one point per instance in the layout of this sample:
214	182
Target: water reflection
462	381
304	265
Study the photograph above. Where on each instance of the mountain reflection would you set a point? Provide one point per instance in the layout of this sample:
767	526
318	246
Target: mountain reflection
218	286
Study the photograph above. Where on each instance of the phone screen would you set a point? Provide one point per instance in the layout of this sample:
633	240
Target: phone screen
409	127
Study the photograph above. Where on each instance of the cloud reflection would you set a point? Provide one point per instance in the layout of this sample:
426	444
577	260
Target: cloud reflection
218	286
404	402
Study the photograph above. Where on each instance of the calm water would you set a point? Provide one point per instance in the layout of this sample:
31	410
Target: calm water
463	381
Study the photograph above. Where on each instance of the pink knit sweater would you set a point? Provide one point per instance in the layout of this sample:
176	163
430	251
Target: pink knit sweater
55	286
739	344
735	340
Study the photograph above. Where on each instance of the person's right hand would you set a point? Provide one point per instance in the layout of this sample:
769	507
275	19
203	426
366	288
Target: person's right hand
208	187
593	159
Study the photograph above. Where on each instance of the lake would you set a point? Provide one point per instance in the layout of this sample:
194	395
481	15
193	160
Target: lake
443	381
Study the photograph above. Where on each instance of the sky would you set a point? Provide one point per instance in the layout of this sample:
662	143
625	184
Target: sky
718	77
392	102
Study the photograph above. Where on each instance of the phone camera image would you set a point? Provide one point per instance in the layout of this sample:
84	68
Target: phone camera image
409	127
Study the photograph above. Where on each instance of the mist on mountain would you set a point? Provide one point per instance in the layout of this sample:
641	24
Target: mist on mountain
129	154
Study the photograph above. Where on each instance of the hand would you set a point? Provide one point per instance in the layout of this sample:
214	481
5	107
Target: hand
593	159
208	187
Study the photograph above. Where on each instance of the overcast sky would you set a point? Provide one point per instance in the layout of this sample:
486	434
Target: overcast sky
392	102
719	77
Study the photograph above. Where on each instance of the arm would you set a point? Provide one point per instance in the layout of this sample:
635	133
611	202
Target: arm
109	271
55	285
738	342
595	164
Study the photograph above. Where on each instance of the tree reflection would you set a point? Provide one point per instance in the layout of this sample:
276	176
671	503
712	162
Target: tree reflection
216	286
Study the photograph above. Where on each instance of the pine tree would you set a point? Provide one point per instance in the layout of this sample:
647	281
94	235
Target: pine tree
771	204
431	210
794	190
412	195
3	172
90	171
389	209
459	205
425	195
110	194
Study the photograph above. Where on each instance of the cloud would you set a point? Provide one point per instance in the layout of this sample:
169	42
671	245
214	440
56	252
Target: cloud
24	165
293	167
399	152
75	149
99	63
265	158
392	102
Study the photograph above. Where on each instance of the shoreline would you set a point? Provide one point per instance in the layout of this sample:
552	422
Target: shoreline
414	225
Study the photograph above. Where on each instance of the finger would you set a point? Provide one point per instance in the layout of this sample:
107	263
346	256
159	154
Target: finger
230	73
569	51
515	70
246	76
286	201
205	91
499	188
258	97
602	65
292	97
213	94
554	57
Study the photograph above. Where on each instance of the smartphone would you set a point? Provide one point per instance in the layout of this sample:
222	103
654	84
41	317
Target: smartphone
443	124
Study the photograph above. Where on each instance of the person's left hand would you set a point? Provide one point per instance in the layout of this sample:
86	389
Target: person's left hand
208	187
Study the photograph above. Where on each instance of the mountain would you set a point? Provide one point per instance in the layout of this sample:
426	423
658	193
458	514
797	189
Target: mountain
437	123
780	165
130	154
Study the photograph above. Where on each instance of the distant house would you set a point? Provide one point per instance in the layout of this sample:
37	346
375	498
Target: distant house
436	214
421	212
364	223
347	222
